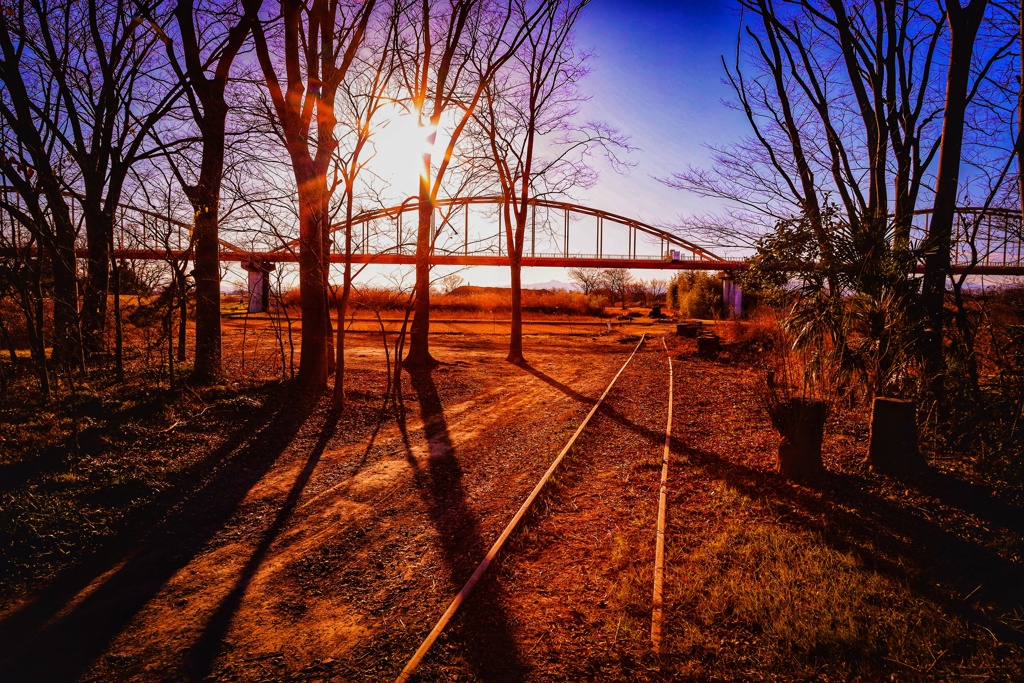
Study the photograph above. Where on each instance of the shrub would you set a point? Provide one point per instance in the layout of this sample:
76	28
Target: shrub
703	296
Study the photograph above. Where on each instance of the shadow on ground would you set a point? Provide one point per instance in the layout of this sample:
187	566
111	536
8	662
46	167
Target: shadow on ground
59	634
494	655
849	513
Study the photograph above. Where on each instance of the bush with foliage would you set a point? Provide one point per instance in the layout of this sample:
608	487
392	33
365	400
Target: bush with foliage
860	312
695	294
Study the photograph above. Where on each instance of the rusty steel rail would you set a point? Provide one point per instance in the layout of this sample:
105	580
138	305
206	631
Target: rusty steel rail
659	549
489	558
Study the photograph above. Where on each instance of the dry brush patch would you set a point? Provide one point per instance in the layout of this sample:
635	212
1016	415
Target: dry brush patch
853	576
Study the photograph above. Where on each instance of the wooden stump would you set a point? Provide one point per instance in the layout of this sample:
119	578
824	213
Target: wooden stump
707	345
801	424
687	330
892	446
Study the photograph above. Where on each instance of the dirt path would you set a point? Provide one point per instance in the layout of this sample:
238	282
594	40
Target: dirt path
573	590
305	548
335	547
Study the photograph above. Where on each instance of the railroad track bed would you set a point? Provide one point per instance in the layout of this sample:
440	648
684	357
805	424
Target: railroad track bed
570	598
375	542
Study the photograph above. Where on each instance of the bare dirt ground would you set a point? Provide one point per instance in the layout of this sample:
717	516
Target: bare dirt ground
289	543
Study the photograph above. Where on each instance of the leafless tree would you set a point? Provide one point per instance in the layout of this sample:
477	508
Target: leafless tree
87	87
588	279
657	287
21	280
362	98
964	23
841	103
318	44
617	281
529	129
210	36
848	111
448	55
451	282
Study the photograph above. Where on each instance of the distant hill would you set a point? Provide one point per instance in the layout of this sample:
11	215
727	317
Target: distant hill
463	290
553	284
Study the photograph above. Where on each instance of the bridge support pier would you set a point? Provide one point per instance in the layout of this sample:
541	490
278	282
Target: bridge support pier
732	298
259	285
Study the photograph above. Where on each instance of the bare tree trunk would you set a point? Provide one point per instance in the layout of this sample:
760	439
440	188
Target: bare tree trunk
168	325
182	312
34	320
419	334
312	283
98	231
332	356
8	342
67	332
205	194
118	326
206	272
325	42
515	343
338	399
963	26
1020	114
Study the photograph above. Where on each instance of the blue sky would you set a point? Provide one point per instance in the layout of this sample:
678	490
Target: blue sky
657	77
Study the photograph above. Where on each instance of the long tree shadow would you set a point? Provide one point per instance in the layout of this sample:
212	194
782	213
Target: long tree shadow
199	661
567	390
842	511
886	537
81	628
971	498
50	600
484	628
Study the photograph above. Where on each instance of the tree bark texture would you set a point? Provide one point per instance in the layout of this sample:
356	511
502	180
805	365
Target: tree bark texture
419	334
515	342
963	27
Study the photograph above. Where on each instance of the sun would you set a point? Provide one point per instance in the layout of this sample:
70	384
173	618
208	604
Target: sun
399	144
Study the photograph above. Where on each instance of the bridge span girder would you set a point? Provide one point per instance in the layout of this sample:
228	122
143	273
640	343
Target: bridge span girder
503	261
570	261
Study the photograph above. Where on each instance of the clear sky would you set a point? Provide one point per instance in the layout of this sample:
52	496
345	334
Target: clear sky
657	77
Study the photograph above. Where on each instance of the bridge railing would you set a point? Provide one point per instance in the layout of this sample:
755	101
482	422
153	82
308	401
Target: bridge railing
992	237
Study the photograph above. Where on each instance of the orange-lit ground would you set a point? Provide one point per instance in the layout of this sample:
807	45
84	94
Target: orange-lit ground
293	547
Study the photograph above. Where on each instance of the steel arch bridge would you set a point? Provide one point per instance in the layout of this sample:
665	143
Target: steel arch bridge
672	250
382	236
986	241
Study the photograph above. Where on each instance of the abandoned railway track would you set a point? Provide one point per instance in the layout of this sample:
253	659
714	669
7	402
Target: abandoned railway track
613	467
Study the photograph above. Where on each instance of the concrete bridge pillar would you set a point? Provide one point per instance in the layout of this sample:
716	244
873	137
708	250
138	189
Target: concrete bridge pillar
259	285
732	298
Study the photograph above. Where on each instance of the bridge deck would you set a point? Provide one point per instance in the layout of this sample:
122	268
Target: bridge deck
547	260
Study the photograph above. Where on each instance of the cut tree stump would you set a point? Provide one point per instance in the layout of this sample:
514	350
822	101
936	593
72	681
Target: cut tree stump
801	424
707	345
892	446
687	330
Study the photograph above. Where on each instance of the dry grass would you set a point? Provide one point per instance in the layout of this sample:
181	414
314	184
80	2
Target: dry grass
756	590
476	299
